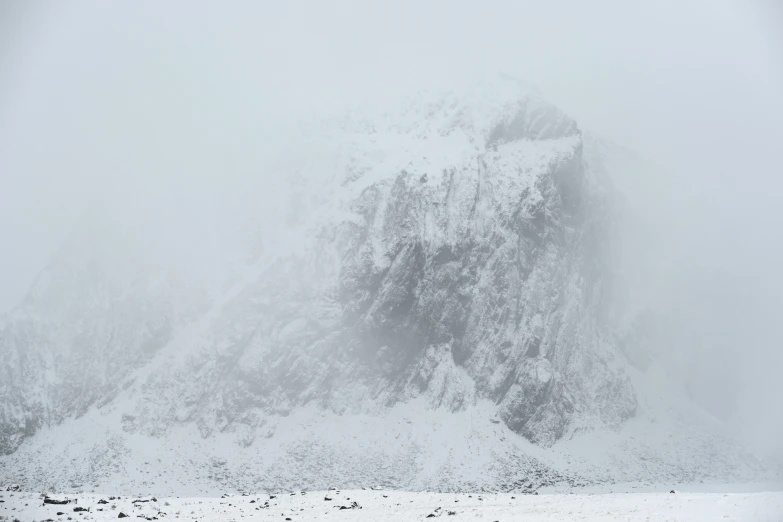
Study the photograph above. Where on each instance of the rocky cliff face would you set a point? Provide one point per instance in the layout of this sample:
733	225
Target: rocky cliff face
457	254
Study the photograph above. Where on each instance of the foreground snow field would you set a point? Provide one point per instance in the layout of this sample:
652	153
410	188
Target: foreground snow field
376	505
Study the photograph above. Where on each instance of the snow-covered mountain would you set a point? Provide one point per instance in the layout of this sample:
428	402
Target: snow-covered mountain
439	313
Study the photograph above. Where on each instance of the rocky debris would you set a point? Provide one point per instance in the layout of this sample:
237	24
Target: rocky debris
122	515
48	500
327	498
79	509
103	501
354	505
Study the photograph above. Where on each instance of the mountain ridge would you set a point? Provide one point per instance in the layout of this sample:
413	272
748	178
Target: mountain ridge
454	253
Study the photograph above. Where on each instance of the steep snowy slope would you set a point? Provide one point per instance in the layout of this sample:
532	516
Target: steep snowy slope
95	313
451	257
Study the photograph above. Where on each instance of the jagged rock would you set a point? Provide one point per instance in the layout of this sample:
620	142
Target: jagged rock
483	280
48	500
353	505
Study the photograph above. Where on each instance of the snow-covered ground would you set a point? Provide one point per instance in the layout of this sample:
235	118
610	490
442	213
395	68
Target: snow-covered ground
373	505
408	447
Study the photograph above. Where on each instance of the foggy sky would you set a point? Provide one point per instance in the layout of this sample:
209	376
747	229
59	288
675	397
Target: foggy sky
138	105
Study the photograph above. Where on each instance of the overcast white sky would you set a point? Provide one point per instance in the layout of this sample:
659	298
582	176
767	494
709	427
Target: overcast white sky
133	103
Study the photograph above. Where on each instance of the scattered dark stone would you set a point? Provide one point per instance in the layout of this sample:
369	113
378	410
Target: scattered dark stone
451	512
252	501
272	496
77	509
431	515
60	513
354	505
138	500
122	515
672	491
102	501
287	518
327	498
48	500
